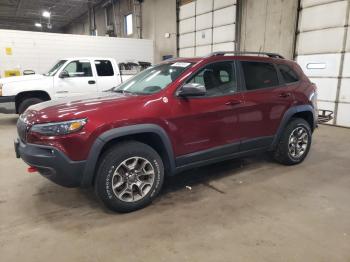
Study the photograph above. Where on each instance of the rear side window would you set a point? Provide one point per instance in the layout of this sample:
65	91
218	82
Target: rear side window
259	75
288	74
104	68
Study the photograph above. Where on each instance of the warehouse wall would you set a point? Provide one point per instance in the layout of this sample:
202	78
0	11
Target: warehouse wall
151	21
268	25
158	18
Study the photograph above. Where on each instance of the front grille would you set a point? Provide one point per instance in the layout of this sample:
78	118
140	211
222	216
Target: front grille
22	129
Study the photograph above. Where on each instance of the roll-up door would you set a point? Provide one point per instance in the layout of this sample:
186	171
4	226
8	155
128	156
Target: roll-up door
323	51
206	26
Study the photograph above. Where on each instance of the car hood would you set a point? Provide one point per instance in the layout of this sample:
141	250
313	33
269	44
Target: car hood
76	107
14	79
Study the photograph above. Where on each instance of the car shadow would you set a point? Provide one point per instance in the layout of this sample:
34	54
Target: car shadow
71	200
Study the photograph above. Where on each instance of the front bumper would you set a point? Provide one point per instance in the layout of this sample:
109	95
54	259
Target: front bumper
51	163
7	104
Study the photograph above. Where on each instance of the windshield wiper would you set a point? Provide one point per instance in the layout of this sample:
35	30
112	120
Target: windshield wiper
123	91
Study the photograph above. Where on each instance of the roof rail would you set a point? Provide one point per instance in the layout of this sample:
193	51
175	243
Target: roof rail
222	53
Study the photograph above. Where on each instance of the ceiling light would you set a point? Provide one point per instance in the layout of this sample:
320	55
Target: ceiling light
46	14
38	25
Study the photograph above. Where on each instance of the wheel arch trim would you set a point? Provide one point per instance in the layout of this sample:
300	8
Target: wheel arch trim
120	132
287	116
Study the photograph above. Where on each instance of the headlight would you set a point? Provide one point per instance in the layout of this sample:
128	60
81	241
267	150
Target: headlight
59	128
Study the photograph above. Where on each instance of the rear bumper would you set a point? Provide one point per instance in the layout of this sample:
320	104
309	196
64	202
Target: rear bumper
51	163
7	104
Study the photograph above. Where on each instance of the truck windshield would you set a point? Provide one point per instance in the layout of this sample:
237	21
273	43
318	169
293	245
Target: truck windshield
55	68
153	79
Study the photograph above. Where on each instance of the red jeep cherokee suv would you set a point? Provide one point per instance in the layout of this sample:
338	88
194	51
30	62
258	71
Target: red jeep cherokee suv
180	114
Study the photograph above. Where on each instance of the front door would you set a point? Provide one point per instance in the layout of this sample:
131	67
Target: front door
76	78
208	125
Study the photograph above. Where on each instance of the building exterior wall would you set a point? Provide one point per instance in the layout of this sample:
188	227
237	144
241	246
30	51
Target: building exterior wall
268	25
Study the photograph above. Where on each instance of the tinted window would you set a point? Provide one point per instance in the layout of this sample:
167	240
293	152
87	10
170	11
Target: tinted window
288	74
218	78
78	69
259	75
104	68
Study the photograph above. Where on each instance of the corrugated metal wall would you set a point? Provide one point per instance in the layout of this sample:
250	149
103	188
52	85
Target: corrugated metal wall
206	26
323	51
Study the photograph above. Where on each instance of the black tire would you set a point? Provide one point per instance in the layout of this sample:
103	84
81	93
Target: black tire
283	154
27	102
112	160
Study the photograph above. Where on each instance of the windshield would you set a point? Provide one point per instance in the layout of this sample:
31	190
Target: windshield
55	68
153	79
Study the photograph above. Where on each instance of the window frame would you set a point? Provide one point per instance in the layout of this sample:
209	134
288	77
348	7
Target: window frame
79	61
234	66
241	71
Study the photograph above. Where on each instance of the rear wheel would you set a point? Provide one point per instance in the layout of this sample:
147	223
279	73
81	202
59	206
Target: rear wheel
295	142
27	102
129	177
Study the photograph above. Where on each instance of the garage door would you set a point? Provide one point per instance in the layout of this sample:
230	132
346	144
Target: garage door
206	26
323	51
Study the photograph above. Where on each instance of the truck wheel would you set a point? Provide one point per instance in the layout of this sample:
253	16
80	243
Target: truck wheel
27	102
130	175
294	144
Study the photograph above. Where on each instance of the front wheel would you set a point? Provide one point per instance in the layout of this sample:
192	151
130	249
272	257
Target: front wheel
129	177
295	143
27	102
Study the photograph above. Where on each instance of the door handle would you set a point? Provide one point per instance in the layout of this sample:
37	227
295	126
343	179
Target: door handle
233	102
92	82
285	95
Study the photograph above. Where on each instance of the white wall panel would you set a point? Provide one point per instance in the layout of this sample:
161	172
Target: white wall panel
223	3
229	46
187	10
203	50
325	65
225	16
204	21
204	37
186	52
323	16
343	118
308	3
331	39
187	40
187	25
346	66
326	88
224	34
204	6
344	95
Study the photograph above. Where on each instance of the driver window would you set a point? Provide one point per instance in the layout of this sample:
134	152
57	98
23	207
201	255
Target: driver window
218	78
79	69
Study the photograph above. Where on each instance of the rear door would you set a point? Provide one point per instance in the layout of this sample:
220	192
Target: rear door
107	74
211	121
266	99
79	79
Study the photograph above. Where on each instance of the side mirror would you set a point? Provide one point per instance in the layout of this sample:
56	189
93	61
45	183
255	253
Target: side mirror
192	89
28	72
64	74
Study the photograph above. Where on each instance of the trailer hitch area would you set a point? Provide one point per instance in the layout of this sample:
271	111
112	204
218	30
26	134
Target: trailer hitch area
325	116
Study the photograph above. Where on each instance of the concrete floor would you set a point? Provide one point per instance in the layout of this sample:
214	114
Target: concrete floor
241	210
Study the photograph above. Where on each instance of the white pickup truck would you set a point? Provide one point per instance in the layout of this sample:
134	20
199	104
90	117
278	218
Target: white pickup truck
68	77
